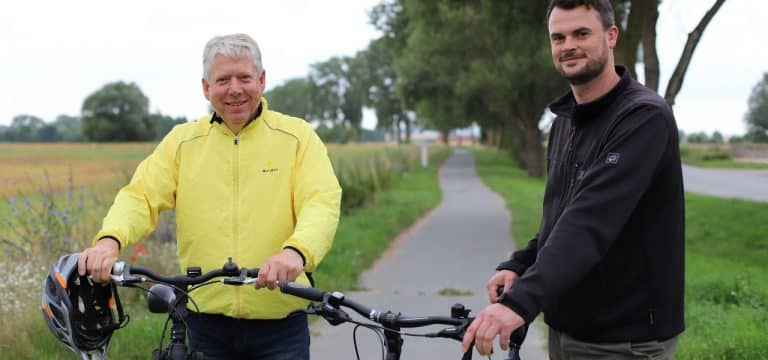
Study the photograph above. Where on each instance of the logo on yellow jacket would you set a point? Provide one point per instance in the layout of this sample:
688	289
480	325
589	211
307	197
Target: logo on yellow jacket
269	167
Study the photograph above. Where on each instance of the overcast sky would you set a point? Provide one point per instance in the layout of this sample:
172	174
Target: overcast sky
56	53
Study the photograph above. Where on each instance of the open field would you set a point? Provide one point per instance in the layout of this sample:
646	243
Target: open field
23	166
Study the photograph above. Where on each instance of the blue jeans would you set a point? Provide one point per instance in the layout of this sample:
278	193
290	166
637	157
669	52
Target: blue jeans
223	337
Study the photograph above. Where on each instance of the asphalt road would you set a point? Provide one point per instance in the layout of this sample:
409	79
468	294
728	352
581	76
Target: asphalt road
453	249
728	183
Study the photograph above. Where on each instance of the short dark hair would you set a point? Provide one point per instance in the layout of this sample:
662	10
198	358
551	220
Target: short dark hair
603	7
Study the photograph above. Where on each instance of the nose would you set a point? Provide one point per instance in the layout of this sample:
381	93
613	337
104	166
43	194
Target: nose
569	44
235	87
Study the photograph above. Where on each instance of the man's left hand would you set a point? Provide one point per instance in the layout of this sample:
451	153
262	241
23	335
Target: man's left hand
281	267
496	319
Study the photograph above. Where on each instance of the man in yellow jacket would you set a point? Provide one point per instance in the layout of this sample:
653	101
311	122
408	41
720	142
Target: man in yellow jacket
246	182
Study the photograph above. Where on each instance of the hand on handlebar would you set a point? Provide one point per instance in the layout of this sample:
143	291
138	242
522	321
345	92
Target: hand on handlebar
279	268
98	260
496	319
503	278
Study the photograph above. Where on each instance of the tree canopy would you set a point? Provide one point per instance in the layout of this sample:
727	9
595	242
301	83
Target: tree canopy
757	112
118	111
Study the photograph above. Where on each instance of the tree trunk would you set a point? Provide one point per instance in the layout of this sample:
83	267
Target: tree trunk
446	136
533	152
676	81
650	56
626	49
407	130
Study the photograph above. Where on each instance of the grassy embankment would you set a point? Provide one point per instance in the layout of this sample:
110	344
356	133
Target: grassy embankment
726	291
385	191
715	156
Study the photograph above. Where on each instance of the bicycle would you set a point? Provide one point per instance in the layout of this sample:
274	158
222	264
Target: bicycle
329	308
170	294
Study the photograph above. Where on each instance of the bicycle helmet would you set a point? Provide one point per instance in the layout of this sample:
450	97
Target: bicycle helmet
80	313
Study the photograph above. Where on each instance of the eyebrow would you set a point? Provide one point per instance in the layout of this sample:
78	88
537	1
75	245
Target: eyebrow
575	31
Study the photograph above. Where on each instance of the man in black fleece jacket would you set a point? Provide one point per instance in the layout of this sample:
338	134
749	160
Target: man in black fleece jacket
607	266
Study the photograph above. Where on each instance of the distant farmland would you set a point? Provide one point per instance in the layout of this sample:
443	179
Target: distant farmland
23	165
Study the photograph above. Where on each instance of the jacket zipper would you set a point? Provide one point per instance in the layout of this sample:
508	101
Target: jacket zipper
568	181
235	213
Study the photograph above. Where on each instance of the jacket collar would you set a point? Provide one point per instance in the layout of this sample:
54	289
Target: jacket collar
566	104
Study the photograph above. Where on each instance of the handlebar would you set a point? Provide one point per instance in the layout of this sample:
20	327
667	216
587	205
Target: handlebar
337	299
329	308
124	274
170	295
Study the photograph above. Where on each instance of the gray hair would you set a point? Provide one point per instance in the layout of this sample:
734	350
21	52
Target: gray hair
234	46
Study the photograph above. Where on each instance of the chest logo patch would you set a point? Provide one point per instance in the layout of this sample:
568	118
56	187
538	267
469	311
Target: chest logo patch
612	158
269	168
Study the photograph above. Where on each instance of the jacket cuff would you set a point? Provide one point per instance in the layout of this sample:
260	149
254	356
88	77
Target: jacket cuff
115	235
510	299
119	245
303	259
512	265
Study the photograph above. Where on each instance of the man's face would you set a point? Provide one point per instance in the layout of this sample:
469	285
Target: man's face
581	48
234	90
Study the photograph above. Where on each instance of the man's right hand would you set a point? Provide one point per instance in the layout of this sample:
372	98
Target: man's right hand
503	278
98	260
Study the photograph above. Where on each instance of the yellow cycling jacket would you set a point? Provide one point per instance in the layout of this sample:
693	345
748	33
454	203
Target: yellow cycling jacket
247	197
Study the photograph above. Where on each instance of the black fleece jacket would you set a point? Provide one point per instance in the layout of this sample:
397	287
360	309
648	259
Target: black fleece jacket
608	262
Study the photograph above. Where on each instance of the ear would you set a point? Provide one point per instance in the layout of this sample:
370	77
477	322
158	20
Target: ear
206	89
262	80
612	35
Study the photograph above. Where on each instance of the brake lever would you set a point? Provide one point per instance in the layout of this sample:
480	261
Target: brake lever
241	280
332	314
121	275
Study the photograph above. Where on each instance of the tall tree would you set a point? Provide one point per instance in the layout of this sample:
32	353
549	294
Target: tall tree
24	128
389	18
118	111
381	95
293	97
637	22
484	61
339	92
69	128
757	112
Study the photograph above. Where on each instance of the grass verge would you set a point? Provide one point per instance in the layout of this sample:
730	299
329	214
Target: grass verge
726	292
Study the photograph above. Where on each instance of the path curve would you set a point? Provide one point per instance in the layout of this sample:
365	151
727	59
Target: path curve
455	248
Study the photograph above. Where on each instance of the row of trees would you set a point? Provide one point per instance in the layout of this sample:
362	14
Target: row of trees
118	111
441	64
447	64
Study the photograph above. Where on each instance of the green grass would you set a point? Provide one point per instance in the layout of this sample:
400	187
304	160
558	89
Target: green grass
522	193
726	256
716	157
726	279
362	236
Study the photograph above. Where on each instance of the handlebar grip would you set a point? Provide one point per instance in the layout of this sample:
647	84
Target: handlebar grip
304	292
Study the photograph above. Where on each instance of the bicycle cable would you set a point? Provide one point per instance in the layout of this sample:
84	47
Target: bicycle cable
379	328
376	331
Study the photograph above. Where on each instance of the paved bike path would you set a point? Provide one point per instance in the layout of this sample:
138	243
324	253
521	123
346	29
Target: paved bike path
743	184
453	249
